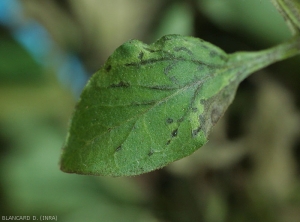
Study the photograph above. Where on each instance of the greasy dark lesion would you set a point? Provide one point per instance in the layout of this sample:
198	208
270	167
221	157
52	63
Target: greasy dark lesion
144	62
121	84
143	103
156	51
141	55
150	152
200	68
174	80
168	73
213	53
201	119
180	120
195	132
177	49
169	57
169	121
168	68
119	148
174	133
148	49
223	57
169	37
160	87
204	46
108	68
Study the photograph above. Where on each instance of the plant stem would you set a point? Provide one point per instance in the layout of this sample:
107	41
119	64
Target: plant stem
253	61
289	12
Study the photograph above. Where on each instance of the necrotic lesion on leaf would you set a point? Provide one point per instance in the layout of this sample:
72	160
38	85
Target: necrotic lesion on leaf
121	84
174	133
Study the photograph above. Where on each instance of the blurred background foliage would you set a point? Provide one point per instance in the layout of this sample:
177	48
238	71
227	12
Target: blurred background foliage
250	169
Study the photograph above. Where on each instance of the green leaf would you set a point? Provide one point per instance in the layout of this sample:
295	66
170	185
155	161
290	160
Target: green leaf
150	105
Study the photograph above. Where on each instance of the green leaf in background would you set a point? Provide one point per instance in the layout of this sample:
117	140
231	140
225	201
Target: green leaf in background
16	64
150	105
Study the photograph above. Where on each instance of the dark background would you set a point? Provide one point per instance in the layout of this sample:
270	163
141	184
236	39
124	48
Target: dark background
250	169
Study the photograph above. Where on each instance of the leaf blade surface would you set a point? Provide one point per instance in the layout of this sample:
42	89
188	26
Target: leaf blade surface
150	105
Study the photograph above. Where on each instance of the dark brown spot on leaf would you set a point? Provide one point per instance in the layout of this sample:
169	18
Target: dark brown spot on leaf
223	57
196	131
120	84
204	46
148	49
168	37
180	120
168	68
150	153
118	148
108	68
174	133
213	53
169	120
141	55
174	79
200	68
177	49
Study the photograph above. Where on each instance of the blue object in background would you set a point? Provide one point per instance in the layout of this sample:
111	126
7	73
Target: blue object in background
72	72
37	41
10	12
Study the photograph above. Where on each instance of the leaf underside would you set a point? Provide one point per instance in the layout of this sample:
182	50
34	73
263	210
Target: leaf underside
148	106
